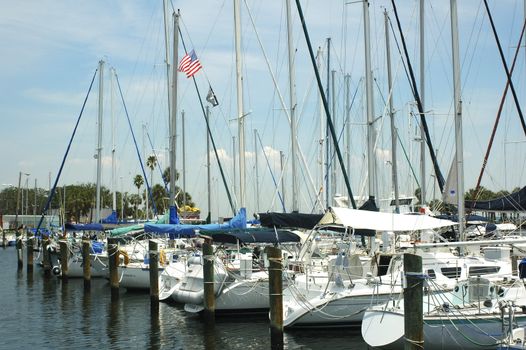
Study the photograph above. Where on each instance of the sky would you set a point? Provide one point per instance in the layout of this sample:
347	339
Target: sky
51	50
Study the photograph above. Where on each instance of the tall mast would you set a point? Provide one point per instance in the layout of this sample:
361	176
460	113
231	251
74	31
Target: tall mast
173	116
184	163
327	143
240	113
371	133
458	119
99	138
167	54
257	169
335	121
113	161
394	167
323	122
209	189
422	99
292	97
347	81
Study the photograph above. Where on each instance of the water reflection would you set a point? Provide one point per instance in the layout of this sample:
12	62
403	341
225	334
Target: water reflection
155	326
113	321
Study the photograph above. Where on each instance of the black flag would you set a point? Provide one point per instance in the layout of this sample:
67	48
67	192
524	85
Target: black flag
211	97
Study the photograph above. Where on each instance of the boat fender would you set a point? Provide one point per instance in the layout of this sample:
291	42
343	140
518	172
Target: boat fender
56	270
125	256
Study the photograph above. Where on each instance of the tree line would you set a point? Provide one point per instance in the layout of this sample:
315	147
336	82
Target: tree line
79	200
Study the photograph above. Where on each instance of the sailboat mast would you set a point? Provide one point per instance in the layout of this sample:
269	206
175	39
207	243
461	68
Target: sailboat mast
167	54
113	161
240	113
458	118
292	108
257	168
99	138
371	133
323	123
422	100
394	167
173	115
208	177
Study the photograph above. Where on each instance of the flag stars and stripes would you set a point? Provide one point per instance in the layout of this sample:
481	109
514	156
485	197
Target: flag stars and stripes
190	64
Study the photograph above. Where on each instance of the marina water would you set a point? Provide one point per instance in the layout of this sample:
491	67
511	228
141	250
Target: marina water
40	313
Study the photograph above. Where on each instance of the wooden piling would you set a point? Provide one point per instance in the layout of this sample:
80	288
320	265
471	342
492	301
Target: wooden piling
153	248
86	264
413	296
19	249
46	259
64	255
4	240
275	289
208	281
30	243
113	261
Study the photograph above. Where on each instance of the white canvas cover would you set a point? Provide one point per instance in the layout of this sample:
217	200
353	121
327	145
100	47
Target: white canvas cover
371	220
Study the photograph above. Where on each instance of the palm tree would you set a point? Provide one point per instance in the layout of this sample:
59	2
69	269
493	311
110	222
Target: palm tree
138	181
151	162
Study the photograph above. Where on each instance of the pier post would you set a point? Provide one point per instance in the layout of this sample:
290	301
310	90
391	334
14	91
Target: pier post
86	264
153	248
29	243
413	296
208	281
4	241
46	259
113	261
64	255
19	249
275	290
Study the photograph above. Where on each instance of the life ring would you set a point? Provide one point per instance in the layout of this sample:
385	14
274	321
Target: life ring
162	257
124	255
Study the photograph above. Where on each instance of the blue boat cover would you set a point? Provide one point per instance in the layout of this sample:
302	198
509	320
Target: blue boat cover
84	227
515	201
111	219
174	218
188	230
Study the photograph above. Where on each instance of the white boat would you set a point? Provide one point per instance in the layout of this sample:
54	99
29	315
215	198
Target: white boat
477	314
338	293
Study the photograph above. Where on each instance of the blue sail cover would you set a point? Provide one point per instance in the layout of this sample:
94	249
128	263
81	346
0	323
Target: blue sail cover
174	218
111	219
254	235
187	230
84	227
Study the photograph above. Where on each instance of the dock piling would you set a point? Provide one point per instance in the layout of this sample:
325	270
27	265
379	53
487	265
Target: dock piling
208	280
153	248
19	249
46	259
113	260
86	264
275	290
413	309
30	244
64	255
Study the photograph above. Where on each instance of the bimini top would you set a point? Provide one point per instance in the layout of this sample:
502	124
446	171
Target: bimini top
371	220
253	235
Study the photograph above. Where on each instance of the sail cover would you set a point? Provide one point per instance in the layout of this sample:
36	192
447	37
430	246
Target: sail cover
370	220
259	235
297	220
515	201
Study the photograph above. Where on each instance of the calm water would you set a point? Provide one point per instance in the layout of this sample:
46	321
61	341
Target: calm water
39	313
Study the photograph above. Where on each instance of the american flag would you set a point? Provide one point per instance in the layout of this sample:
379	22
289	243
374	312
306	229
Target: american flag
189	64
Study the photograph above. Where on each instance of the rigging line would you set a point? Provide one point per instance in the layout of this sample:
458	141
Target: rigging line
158	164
272	175
210	134
325	105
503	59
438	173
52	192
148	189
497	119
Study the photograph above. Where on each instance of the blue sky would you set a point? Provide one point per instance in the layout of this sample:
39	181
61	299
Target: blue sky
52	48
